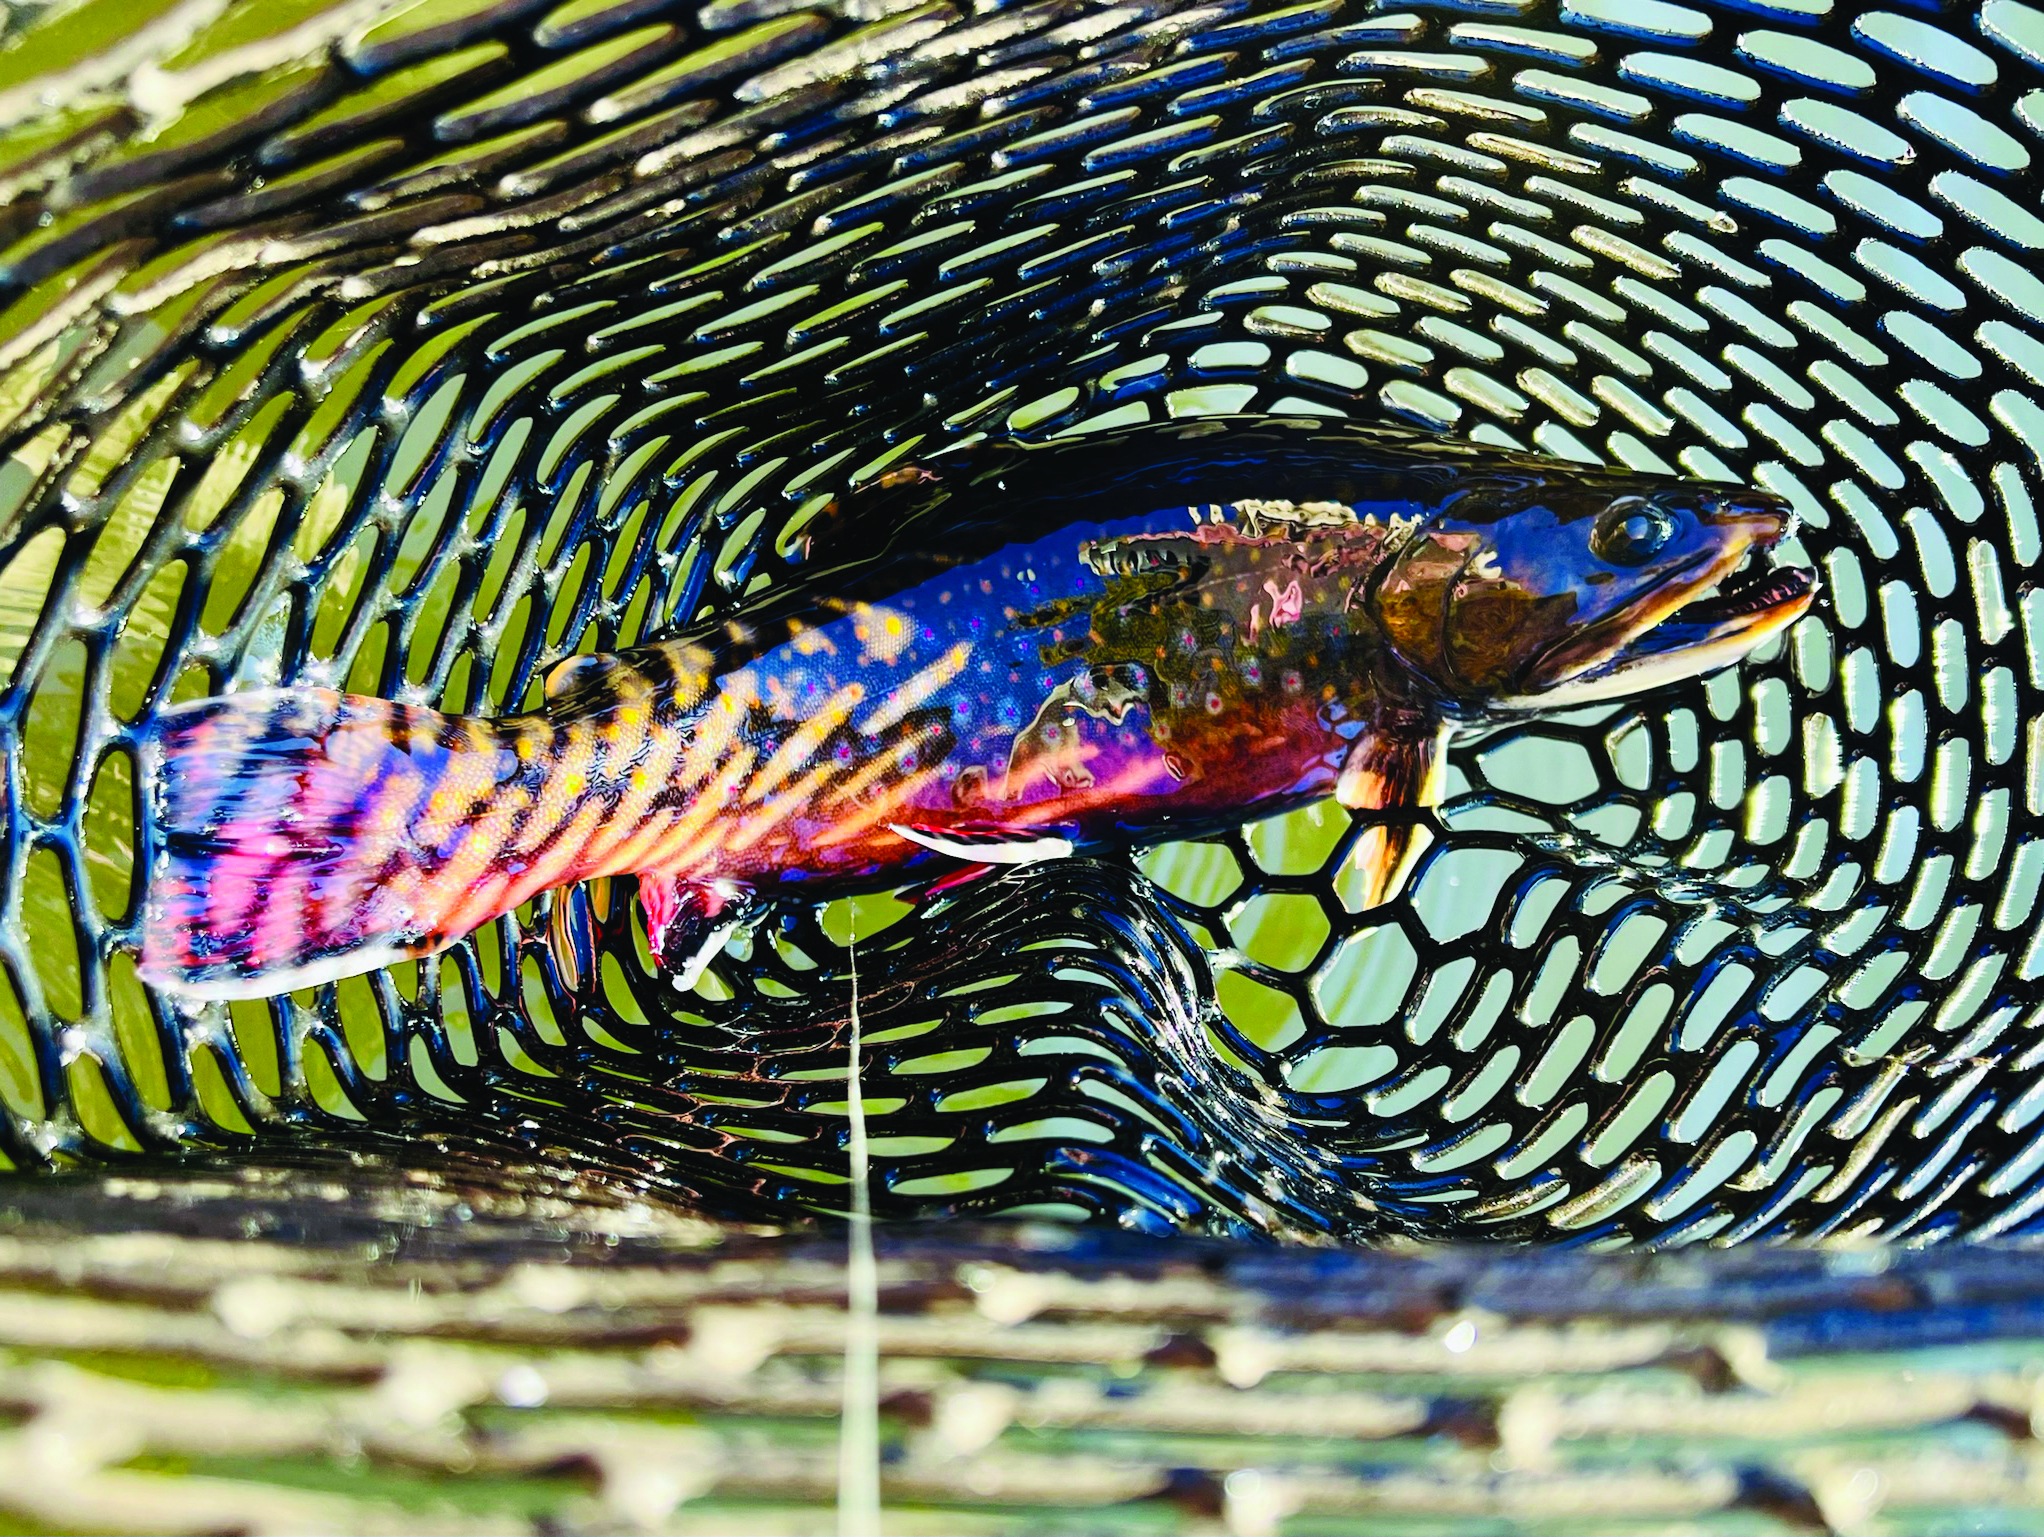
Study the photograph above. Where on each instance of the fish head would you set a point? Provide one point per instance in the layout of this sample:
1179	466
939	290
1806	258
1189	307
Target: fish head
1542	592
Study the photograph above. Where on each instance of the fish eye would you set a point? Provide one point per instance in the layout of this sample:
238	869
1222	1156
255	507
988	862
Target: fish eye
1631	532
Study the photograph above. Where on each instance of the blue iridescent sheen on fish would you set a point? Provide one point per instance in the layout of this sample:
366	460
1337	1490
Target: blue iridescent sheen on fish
1006	652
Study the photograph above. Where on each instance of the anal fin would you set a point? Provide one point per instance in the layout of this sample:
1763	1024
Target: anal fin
1397	770
662	901
687	925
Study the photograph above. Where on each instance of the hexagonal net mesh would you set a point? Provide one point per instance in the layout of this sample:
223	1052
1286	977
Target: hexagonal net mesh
412	349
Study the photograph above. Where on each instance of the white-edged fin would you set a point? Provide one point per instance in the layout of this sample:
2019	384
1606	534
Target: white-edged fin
1400	769
988	848
688	924
718	936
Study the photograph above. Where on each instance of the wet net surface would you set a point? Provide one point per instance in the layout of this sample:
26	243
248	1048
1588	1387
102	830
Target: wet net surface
413	349
338	1345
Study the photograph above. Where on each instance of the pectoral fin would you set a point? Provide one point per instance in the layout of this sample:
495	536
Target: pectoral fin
1398	771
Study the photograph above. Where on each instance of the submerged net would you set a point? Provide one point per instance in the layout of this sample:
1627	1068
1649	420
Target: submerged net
323	1348
412	349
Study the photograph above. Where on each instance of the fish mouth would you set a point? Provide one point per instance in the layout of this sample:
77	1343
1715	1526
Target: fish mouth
1759	596
1710	620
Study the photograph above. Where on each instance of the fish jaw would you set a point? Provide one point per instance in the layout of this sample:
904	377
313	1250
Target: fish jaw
1693	627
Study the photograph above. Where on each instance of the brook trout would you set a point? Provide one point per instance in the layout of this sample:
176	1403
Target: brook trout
1143	633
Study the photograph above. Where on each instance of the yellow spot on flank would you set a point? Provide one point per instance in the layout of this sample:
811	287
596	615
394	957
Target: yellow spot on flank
740	692
888	625
443	811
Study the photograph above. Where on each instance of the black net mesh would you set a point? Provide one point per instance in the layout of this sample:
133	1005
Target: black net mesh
411	349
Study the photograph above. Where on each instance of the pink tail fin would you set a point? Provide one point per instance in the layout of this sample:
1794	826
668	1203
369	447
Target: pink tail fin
306	835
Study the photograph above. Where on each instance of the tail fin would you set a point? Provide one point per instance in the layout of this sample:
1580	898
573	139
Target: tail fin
306	835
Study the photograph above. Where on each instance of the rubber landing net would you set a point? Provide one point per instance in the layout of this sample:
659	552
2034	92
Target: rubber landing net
412	349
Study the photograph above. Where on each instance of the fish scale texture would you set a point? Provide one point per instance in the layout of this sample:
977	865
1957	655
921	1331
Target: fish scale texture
413	349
